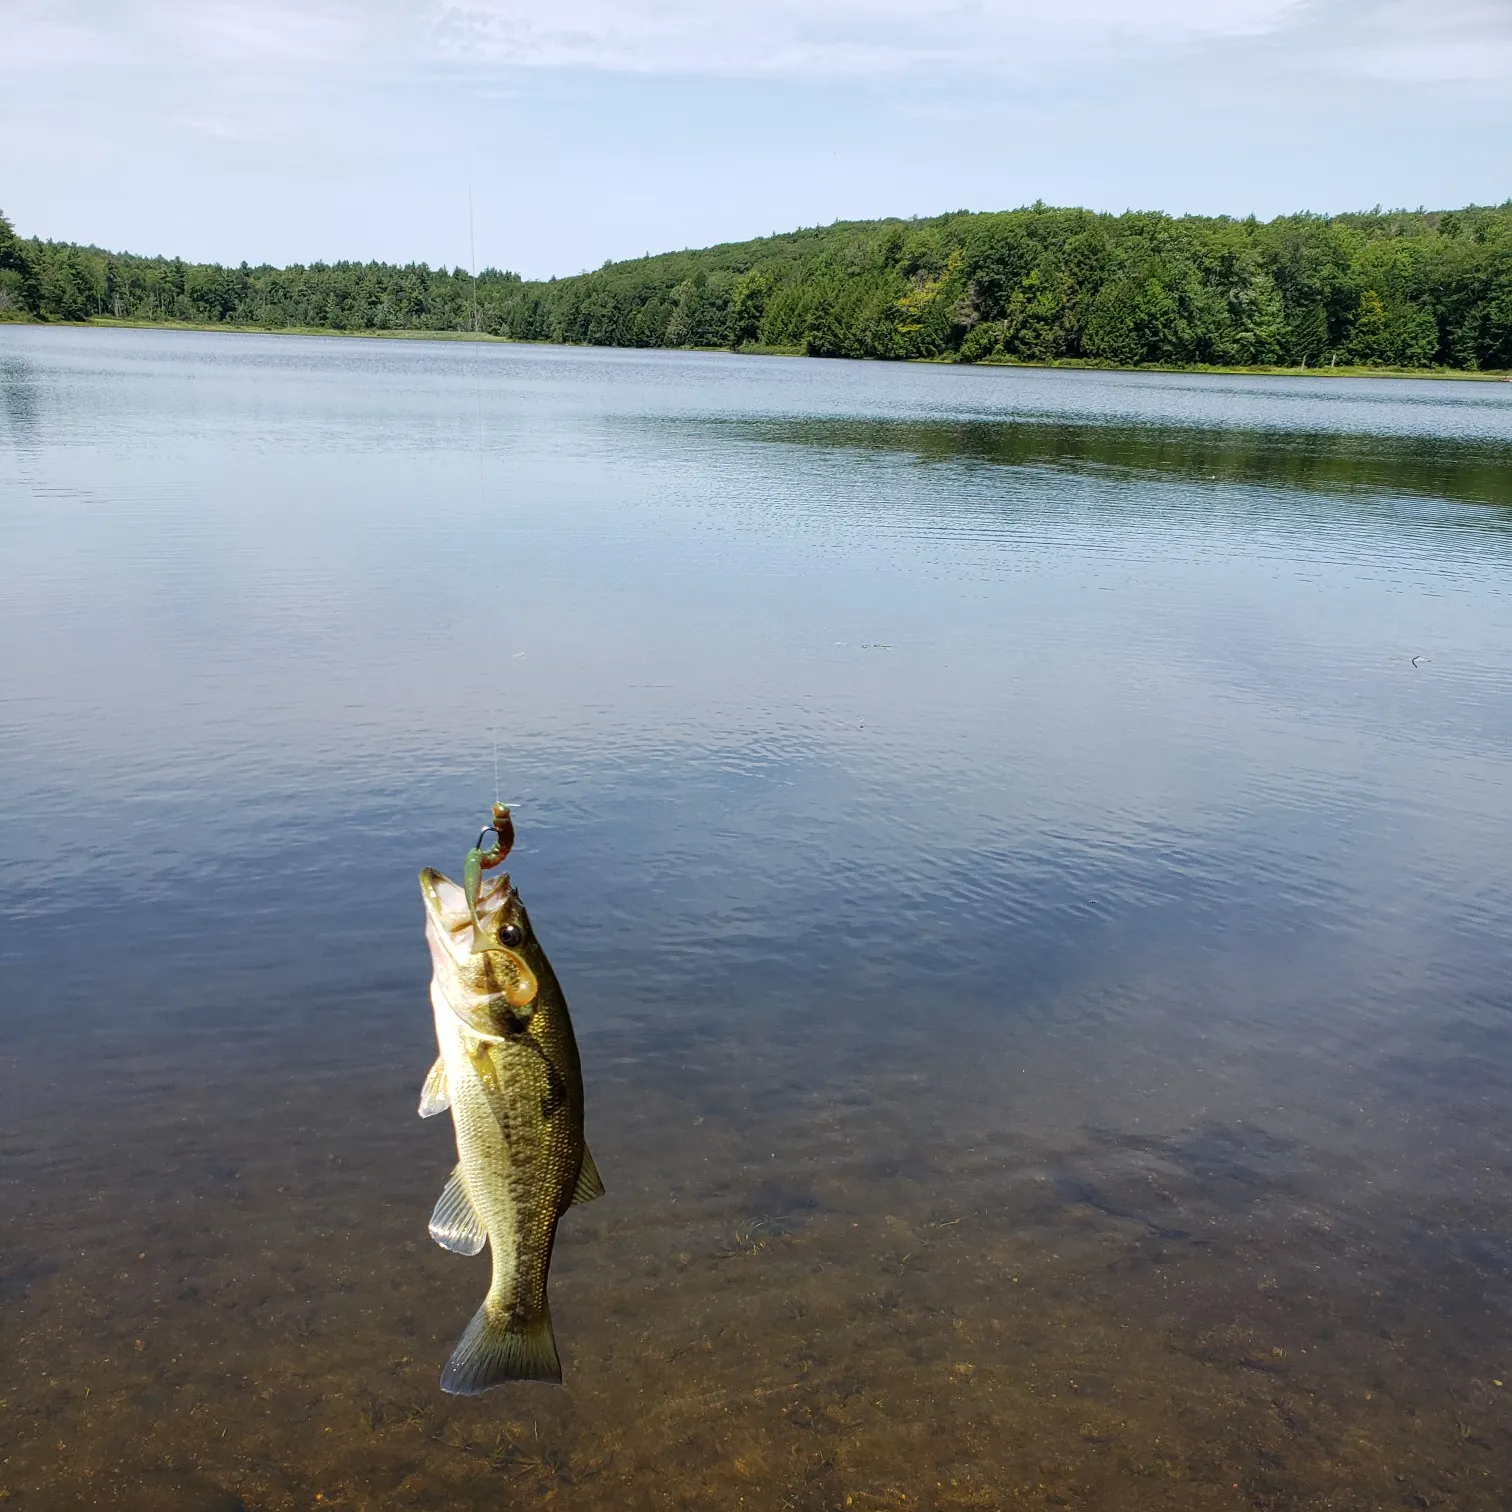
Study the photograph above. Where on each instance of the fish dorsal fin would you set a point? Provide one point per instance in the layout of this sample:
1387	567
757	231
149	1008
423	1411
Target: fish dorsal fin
455	1224
589	1183
435	1095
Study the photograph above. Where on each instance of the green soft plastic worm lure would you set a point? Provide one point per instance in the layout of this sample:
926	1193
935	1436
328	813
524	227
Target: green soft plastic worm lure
480	860
513	972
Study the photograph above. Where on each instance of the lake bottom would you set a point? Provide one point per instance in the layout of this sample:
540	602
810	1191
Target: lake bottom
1061	1270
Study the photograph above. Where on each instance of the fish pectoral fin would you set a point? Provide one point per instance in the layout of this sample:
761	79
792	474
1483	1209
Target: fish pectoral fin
435	1095
589	1183
455	1224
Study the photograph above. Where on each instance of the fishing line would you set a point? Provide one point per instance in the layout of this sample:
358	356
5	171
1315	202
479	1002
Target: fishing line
472	252
477	356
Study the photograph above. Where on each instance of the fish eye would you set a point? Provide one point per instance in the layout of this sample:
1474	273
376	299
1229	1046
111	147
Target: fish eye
511	935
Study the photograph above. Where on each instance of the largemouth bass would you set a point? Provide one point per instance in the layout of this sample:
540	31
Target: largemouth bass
509	1072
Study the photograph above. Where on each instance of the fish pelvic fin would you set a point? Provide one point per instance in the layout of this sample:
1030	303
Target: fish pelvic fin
497	1348
435	1095
589	1183
455	1224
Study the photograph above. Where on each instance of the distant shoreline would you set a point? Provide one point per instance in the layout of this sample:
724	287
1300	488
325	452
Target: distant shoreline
1419	293
1079	364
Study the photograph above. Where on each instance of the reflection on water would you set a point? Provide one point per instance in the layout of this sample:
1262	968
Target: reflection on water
1027	853
1321	461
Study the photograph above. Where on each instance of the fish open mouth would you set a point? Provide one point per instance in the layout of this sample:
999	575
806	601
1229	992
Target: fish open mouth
500	973
445	901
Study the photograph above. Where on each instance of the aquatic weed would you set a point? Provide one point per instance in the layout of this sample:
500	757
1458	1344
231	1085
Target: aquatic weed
753	1236
528	1458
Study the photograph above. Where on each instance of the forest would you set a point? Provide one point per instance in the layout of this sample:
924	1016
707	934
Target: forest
1399	289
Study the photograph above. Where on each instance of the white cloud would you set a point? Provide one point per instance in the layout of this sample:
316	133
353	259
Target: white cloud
255	32
239	33
1426	40
294	129
1412	41
36	37
807	37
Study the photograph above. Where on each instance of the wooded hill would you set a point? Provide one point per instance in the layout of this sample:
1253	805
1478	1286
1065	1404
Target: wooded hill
1406	289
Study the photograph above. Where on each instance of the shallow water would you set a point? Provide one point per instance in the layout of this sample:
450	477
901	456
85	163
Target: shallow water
1028	854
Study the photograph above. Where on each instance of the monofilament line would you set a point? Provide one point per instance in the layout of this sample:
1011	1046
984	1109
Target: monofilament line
472	252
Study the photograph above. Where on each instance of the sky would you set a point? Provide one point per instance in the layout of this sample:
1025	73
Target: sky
548	136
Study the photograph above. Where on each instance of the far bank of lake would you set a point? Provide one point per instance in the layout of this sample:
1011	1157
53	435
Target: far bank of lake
753	349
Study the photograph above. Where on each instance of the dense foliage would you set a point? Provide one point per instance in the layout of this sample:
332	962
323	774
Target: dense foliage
1398	289
59	281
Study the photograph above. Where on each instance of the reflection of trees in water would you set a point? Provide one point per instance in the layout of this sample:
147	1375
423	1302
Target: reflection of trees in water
1468	471
18	394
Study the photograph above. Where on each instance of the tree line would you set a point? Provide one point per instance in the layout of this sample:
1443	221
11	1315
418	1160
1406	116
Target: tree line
49	280
1410	289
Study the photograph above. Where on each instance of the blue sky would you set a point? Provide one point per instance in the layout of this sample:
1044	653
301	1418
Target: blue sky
594	129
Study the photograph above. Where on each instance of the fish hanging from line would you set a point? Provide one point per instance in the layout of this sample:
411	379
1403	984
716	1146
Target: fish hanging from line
509	1071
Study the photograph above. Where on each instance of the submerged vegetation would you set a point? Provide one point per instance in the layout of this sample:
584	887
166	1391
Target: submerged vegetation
1419	289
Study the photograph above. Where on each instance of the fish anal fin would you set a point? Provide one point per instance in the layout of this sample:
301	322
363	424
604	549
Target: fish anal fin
497	1348
589	1183
435	1095
455	1224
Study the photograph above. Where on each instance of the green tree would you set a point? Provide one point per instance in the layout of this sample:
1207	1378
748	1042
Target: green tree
1391	336
701	315
1495	333
67	289
747	308
19	291
1134	321
1258	328
1036	284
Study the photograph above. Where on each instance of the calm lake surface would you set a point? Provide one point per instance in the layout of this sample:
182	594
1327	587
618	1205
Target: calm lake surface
1029	854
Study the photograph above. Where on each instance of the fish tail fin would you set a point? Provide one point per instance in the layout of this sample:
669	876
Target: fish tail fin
496	1349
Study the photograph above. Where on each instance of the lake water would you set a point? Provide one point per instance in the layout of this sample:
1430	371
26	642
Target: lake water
1029	854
